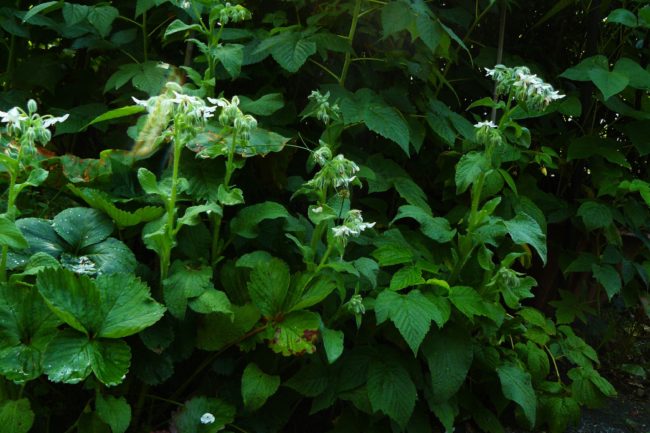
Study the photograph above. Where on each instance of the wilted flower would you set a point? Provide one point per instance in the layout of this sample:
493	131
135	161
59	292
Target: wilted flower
337	172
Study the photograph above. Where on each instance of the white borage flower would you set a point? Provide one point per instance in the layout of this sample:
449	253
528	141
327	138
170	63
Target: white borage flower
486	123
14	117
51	120
207	418
343	231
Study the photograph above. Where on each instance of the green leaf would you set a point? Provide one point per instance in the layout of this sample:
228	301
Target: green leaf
26	327
245	224
113	306
185	281
609	83
81	227
588	146
639	78
449	353
296	334
74	13
149	183
263	106
16	416
316	292
333	343
589	387
114	411
638	131
560	412
395	17
111	256
406	277
231	328
581	71
468	301
43	7
188	420
524	229
101	201
411	313
390	388
211	301
516	386
368	107
231	57
10	234
257	386
434	228
622	16
268	286
468	169
118	113
595	215
608	276
291	51
102	17
179	26
67	358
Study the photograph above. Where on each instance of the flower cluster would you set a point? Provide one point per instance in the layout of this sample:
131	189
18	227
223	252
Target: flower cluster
231	115
355	305
353	225
488	133
191	110
324	110
338	172
233	13
29	125
525	87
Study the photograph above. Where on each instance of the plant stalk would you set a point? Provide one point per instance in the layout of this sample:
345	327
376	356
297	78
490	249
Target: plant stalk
353	30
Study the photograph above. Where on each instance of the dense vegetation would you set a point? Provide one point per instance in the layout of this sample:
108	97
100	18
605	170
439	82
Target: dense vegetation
328	216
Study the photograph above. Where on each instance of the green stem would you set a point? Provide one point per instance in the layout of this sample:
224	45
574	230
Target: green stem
216	222
171	209
353	30
11	208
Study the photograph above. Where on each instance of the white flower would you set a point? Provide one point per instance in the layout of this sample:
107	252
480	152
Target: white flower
487	123
318	209
53	120
140	101
343	231
207	418
13	117
489	72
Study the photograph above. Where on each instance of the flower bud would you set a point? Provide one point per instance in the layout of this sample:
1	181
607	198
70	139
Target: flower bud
32	107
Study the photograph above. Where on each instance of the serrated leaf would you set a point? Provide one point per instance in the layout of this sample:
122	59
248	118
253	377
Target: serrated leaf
595	215
114	411
524	229
406	277
257	386
395	17
435	228
231	57
231	328
296	334
113	306
516	386
368	107
185	281
67	358
449	353
609	277
291	51
179	26
211	301
468	301
102	17
268	286
245	224
390	388
411	313
468	170
26	327
16	416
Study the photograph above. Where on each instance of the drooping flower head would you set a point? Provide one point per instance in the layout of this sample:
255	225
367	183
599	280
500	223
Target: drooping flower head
526	87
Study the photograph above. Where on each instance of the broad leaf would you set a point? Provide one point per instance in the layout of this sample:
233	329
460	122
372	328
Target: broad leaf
296	334
390	388
595	215
188	420
268	286
10	234
245	224
609	277
524	229
16	416
468	169
257	386
114	411
81	227
609	83
516	386
185	281
449	354
411	313
435	228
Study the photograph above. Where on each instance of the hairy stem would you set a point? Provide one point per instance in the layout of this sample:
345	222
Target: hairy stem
353	30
